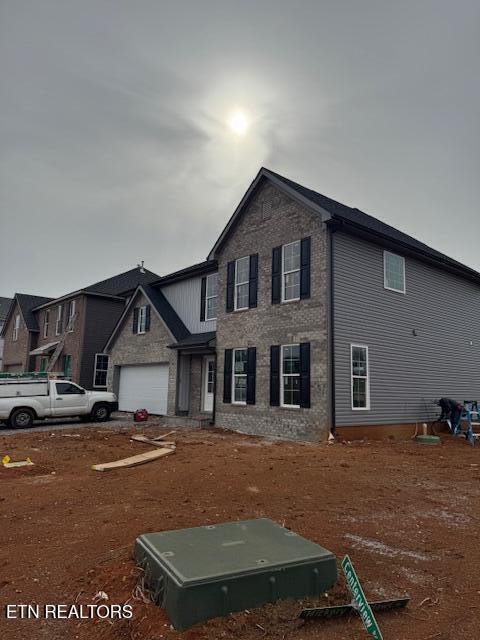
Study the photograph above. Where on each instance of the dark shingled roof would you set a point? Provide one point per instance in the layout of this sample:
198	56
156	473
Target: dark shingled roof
205	339
123	282
167	312
4	307
187	272
27	303
364	221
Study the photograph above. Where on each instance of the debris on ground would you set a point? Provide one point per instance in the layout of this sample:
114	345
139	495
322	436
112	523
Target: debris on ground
7	462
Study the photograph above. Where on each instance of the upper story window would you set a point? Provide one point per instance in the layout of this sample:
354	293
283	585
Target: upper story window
239	378
360	380
242	279
58	322
46	323
16	327
141	319
211	296
291	271
101	370
393	272
71	314
290	384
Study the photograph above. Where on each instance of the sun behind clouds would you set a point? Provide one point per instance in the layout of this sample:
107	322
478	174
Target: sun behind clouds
238	123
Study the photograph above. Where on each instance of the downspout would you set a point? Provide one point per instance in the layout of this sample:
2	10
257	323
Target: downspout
212	421
332	228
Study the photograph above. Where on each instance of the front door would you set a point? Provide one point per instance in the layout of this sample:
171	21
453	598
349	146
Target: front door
208	383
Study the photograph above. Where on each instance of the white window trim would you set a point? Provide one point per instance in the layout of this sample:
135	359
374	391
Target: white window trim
72	309
289	375
58	321
367	377
238	284
238	375
385	286
100	386
46	323
285	273
16	328
207	297
142	315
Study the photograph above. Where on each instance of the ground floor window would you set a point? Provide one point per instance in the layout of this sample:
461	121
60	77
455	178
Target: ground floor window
101	369
359	374
290	382
239	378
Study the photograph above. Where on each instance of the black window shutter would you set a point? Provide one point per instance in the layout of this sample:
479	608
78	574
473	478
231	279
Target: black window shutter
253	281
230	285
203	296
135	320
305	268
227	377
305	374
275	375
276	275
147	318
251	374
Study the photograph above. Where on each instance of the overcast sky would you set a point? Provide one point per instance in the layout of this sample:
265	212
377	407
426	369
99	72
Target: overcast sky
114	144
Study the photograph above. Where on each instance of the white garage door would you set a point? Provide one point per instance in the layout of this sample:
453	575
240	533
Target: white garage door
143	387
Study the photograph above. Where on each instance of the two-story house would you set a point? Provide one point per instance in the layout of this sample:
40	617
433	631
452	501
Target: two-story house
323	319
4	308
67	334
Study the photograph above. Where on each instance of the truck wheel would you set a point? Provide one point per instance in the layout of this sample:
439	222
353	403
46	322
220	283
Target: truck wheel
21	419
100	413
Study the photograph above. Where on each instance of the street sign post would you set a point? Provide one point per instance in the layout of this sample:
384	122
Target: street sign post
359	600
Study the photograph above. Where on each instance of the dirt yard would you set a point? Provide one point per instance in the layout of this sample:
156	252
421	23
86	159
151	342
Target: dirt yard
407	514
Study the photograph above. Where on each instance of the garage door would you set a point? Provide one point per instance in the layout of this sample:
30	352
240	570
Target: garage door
143	387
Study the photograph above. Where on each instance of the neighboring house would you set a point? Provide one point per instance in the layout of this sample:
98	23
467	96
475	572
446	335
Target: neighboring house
20	333
67	334
308	316
4	308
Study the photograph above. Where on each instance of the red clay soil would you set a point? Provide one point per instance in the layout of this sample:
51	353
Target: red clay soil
407	514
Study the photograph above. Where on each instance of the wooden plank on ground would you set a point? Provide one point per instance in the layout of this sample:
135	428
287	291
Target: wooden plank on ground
164	435
156	443
133	461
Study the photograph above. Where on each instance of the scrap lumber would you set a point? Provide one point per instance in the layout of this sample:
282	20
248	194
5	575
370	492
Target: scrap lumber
154	441
134	461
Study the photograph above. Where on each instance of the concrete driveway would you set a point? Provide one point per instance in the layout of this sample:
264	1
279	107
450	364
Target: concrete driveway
117	421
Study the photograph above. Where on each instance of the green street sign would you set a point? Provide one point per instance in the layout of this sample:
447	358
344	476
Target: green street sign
359	600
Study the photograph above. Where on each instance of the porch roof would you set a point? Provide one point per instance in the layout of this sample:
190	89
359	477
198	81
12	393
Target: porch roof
204	340
44	349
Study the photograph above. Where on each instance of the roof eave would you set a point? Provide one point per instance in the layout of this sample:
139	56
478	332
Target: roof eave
338	223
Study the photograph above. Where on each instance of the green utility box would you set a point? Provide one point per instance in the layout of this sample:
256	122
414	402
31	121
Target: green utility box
205	572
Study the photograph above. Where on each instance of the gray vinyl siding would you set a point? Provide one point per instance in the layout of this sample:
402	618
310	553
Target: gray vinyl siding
185	298
101	317
407	372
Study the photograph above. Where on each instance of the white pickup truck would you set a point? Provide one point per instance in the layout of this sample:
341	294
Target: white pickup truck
24	400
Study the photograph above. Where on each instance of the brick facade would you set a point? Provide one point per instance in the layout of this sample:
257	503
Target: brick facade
73	340
268	324
129	348
16	353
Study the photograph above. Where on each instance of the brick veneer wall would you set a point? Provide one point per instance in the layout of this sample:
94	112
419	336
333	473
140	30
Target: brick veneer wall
266	325
148	348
